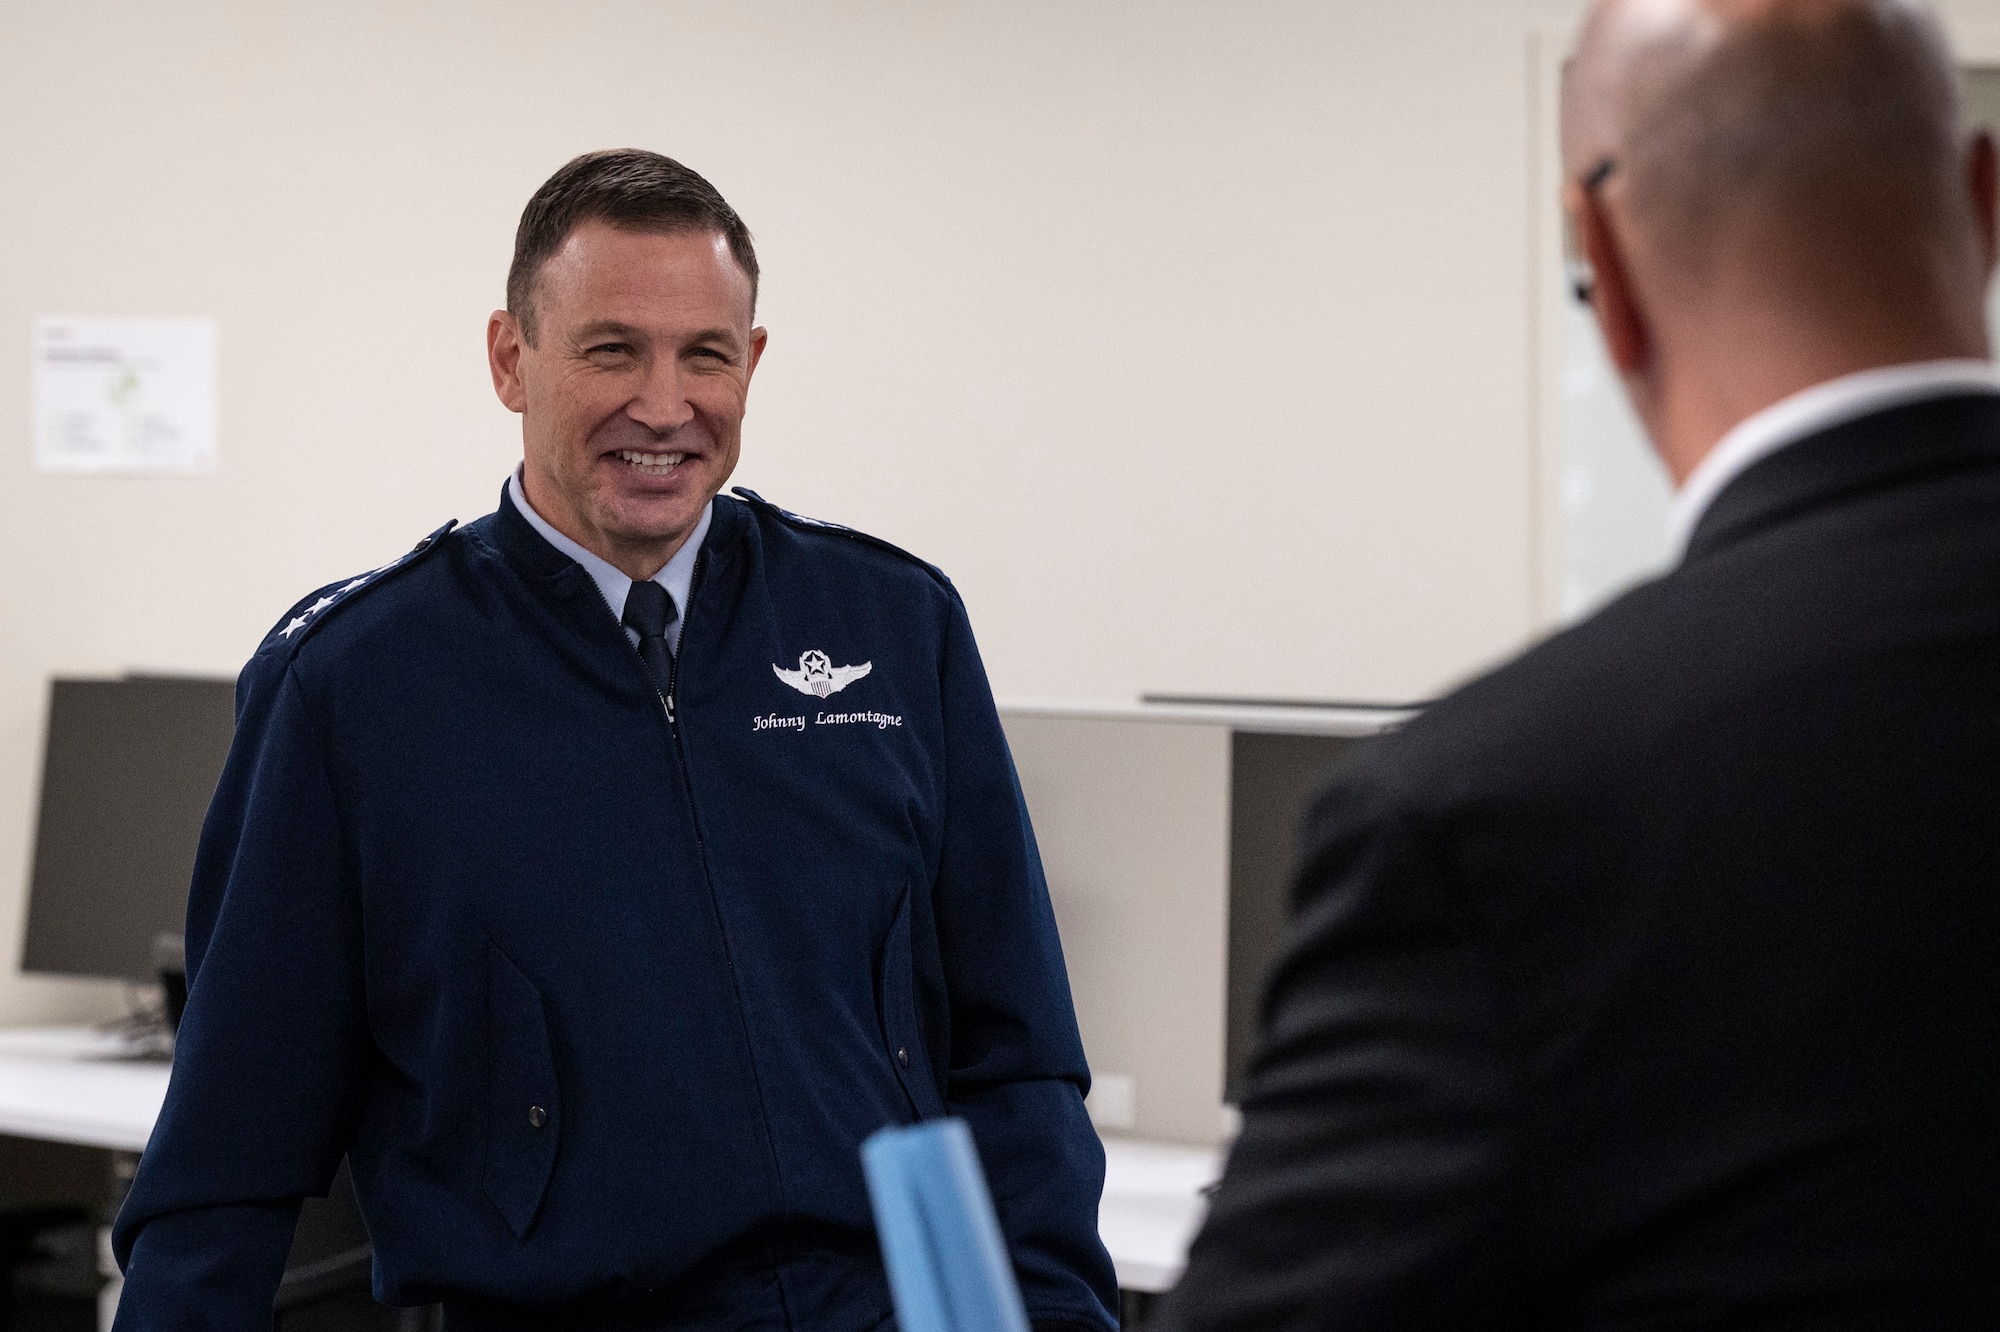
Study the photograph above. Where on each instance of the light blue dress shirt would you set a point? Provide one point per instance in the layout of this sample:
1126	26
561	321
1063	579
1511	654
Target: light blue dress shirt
677	576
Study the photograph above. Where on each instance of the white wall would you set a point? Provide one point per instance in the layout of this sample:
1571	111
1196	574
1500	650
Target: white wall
1188	337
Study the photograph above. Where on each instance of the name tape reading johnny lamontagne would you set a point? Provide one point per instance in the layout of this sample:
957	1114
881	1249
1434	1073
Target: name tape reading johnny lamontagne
881	721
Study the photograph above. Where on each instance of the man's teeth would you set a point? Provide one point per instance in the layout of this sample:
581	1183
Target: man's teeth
654	464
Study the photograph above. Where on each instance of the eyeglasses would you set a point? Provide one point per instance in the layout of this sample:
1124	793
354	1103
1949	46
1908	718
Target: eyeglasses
1583	282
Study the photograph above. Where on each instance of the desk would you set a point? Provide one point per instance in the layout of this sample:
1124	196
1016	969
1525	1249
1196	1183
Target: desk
64	1084
1153	1203
70	1085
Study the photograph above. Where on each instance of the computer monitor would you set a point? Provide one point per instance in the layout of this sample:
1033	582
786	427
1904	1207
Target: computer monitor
127	775
1270	779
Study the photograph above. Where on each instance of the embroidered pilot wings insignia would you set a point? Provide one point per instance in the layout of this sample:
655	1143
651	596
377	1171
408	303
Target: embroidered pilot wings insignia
818	676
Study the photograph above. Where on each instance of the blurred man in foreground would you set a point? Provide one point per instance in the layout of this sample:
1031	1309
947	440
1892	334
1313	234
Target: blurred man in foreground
1650	980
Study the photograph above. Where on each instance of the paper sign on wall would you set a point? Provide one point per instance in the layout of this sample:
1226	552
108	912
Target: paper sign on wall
124	395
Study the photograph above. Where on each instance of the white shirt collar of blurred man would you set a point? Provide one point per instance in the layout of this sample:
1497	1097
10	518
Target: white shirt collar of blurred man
1811	411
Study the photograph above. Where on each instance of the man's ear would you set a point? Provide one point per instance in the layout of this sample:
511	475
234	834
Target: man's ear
758	337
1982	181
1627	336
503	359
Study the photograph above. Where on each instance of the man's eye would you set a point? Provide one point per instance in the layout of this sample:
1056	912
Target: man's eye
610	349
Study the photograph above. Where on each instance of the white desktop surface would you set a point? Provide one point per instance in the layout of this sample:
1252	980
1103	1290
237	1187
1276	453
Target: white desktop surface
65	1084
1152	1206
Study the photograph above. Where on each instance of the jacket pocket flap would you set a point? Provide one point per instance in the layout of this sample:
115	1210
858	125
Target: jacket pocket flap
523	1102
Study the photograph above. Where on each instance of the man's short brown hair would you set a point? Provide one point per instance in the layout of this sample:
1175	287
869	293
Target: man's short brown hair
631	189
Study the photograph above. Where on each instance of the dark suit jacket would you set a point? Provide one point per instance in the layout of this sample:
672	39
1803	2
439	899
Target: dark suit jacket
1653	981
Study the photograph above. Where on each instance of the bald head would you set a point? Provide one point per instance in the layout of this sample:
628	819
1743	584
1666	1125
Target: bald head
1839	119
1772	193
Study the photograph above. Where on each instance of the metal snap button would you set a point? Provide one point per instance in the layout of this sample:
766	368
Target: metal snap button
903	1055
537	1116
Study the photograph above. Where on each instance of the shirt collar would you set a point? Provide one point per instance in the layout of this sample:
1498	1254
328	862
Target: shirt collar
677	576
1810	412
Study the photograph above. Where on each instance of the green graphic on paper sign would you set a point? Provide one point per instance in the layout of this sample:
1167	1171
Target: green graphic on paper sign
124	387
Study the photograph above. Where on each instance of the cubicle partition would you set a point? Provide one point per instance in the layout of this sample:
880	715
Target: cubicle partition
1167	835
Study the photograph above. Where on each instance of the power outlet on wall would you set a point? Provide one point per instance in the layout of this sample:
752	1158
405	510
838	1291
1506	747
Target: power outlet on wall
1113	1101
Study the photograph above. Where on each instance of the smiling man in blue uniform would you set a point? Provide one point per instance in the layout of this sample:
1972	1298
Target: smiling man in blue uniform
598	875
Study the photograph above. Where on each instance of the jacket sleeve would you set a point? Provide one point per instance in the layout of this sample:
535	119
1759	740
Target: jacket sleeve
1015	1066
1363	1191
261	1104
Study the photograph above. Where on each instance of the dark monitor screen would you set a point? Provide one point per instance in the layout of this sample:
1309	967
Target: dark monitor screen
127	776
1270	779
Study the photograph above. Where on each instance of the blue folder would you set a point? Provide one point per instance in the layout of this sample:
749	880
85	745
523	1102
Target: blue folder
948	1266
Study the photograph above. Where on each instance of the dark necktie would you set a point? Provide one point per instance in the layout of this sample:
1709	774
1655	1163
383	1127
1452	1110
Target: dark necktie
649	609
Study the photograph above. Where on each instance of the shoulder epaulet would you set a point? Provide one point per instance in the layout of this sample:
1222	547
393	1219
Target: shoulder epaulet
305	618
835	529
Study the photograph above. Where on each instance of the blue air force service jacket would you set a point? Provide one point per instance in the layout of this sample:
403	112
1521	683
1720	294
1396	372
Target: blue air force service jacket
602	995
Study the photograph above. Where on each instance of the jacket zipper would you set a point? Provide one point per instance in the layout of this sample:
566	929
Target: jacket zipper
673	683
674	670
708	877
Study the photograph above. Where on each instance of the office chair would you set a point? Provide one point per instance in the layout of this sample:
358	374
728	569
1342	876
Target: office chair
326	1286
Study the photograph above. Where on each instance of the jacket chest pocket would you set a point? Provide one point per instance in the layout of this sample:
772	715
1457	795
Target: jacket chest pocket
523	1101
896	1005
